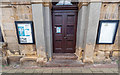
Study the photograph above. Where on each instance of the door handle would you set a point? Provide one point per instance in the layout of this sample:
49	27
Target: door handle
65	37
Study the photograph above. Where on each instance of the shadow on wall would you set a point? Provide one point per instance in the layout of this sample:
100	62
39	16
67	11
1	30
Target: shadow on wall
1	37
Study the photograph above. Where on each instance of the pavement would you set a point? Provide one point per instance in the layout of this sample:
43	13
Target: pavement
94	69
61	71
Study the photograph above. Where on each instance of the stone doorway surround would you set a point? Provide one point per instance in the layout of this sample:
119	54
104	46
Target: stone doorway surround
86	30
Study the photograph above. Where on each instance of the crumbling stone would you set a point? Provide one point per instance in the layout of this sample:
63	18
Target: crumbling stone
5	61
30	58
41	61
99	56
14	59
107	54
107	60
79	53
88	60
4	45
116	53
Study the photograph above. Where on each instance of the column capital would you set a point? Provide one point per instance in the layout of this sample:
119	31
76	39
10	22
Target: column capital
47	4
80	4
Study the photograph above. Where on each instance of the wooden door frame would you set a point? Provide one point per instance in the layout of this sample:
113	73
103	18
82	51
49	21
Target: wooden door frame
64	7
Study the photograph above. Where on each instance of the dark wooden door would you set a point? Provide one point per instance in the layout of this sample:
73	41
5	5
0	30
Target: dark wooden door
64	31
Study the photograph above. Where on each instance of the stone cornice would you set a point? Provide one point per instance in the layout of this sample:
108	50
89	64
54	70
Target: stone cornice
46	3
37	1
9	3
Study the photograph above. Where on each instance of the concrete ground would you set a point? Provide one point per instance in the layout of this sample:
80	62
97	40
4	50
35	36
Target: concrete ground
93	69
62	70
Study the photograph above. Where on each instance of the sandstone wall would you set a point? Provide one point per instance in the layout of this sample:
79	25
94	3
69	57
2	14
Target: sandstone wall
9	16
109	11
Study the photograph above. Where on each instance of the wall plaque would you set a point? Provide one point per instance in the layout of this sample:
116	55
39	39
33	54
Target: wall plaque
107	31
25	32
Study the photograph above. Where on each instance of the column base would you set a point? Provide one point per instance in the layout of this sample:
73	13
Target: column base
88	60
79	53
42	58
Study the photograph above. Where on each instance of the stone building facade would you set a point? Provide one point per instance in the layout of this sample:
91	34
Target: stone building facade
38	11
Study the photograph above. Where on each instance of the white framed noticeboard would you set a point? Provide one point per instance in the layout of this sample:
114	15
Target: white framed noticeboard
107	31
25	32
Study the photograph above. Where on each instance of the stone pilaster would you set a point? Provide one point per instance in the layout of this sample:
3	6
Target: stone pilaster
38	19
48	28
91	31
80	29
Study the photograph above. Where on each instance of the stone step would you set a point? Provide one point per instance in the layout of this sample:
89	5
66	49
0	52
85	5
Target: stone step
64	56
64	63
64	60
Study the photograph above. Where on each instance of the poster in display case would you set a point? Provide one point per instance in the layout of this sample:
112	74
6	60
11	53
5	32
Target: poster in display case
25	32
107	31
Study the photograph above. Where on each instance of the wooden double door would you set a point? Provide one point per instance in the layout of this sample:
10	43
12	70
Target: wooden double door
64	30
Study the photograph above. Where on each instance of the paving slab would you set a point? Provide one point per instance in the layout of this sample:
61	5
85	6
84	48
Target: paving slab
38	70
12	71
86	71
76	70
20	70
29	71
56	70
63	71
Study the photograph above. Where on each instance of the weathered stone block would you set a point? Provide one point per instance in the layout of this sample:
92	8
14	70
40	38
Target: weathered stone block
4	61
10	33
88	60
107	54
116	47
109	47
102	47
27	47
12	40
99	56
79	53
116	53
7	12
8	26
107	60
27	60
14	59
13	46
41	61
100	53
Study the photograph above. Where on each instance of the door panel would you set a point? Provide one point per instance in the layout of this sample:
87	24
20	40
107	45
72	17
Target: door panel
64	32
58	32
70	32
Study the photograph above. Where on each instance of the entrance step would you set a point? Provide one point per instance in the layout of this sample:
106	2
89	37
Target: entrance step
64	56
64	60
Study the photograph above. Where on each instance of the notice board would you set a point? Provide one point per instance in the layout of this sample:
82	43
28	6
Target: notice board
107	31
25	32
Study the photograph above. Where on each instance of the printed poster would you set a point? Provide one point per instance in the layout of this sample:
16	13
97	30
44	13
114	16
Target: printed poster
25	33
58	30
107	32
